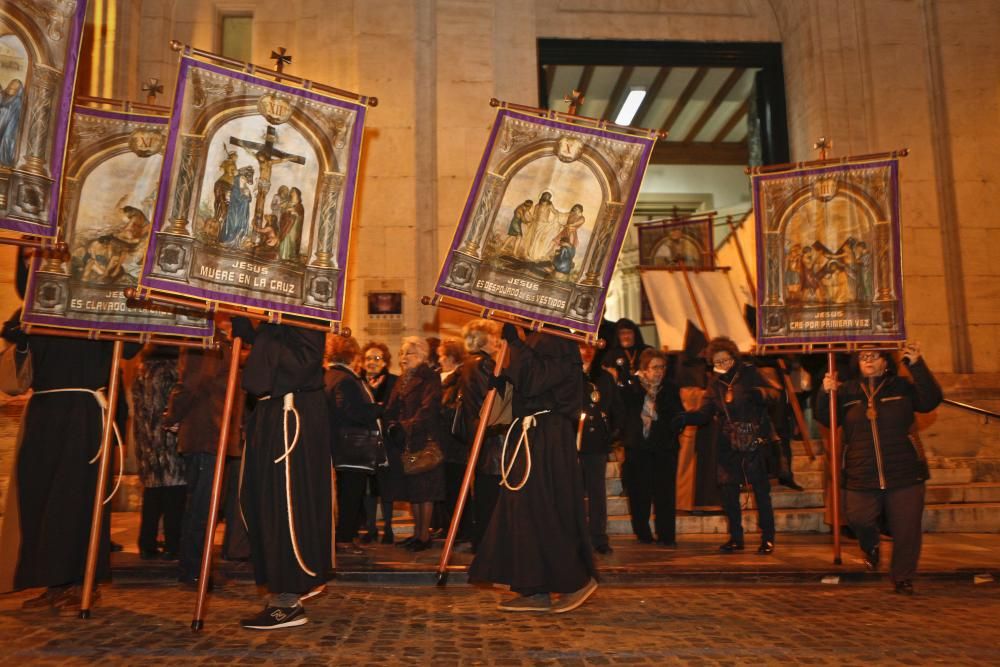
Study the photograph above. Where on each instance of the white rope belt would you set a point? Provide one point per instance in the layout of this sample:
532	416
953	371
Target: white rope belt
288	406
102	402
505	469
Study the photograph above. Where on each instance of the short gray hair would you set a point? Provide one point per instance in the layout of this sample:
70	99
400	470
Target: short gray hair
417	342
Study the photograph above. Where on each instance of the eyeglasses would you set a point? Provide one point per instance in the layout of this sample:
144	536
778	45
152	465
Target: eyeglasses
725	361
374	358
869	356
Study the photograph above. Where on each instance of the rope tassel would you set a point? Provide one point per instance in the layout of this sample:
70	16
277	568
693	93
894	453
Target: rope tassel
505	469
289	407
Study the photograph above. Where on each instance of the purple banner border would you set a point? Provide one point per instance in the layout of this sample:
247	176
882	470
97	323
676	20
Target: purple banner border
350	185
59	140
575	325
762	340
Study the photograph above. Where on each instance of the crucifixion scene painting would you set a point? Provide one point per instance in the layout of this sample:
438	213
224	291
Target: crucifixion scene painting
253	201
257	193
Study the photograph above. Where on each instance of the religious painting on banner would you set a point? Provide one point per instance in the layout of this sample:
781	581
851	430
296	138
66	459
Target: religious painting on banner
828	249
39	48
545	219
672	244
112	173
257	193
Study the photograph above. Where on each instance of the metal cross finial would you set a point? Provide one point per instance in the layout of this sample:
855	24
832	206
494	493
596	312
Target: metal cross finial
575	99
152	87
281	58
823	145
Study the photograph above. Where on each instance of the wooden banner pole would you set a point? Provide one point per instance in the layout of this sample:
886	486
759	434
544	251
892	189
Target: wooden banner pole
139	339
500	316
97	517
834	461
46	245
793	400
470	468
743	260
220	465
694	300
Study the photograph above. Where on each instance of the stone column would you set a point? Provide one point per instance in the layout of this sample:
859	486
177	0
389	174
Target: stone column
44	82
192	147
594	260
328	233
475	238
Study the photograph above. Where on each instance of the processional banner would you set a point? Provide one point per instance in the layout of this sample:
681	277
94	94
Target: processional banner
39	49
675	244
828	254
545	219
257	193
112	173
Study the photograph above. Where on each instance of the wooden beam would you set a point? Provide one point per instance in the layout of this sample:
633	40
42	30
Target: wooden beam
684	98
654	91
703	152
717	100
550	77
585	76
617	93
738	115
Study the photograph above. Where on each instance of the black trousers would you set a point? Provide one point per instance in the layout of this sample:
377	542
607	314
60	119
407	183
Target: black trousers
166	502
594	468
486	492
650	478
351	486
904	510
200	469
751	467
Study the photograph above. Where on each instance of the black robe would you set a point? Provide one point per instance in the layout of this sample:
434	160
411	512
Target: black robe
50	499
287	360
537	540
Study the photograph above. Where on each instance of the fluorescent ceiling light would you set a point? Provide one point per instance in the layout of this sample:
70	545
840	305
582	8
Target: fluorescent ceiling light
631	105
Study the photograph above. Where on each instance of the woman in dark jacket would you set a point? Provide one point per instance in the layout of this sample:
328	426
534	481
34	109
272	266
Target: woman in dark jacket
352	409
451	354
413	413
884	469
651	448
481	342
737	397
387	483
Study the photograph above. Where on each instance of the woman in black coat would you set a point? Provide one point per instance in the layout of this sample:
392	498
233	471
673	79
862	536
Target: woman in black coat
353	410
413	413
651	448
737	397
884	467
387	484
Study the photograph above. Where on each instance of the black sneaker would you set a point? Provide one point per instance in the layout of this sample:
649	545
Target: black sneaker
731	546
872	559
273	618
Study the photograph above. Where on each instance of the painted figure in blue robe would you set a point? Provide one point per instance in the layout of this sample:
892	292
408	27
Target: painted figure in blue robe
237	222
566	241
11	106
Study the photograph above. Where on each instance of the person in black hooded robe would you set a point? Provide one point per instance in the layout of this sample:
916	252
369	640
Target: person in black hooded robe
622	357
50	497
537	541
286	497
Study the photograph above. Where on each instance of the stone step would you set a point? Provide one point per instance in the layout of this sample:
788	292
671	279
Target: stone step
975	492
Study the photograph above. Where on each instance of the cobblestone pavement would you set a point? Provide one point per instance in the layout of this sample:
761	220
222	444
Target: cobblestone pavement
945	623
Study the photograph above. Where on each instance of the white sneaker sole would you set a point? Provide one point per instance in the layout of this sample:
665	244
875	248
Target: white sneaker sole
290	624
578	598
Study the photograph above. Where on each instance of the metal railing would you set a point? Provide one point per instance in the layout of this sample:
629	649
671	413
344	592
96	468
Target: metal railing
972	408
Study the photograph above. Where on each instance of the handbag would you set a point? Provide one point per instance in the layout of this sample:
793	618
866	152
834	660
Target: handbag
359	448
16	373
423	460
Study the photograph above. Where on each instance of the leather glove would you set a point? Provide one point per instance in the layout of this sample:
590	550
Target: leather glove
511	334
678	423
498	382
243	328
